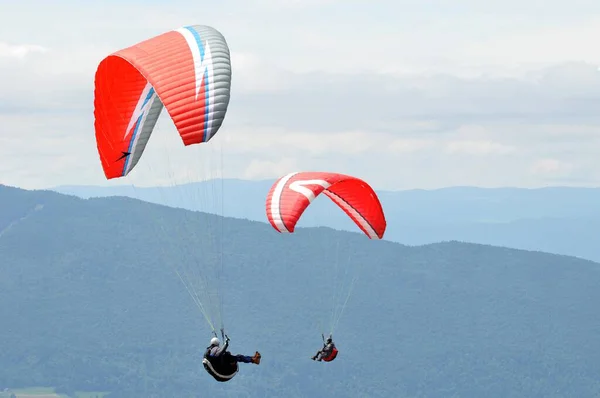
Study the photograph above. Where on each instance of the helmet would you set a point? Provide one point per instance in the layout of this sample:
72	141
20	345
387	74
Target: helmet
329	340
214	341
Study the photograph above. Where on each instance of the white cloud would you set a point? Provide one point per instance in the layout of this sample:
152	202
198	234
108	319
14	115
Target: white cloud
408	145
537	47
19	51
260	169
438	94
553	167
252	74
480	148
319	144
295	4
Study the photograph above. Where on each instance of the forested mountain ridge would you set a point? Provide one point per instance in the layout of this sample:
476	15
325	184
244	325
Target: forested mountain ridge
88	302
560	220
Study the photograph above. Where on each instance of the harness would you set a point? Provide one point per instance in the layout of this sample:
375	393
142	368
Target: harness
331	356
219	371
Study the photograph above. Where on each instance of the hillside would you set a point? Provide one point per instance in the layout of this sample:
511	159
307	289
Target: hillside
88	303
555	220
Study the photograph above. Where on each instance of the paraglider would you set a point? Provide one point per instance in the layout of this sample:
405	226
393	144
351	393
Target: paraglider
328	353
219	362
187	71
291	195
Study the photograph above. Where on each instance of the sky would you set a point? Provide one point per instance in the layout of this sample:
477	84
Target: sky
404	94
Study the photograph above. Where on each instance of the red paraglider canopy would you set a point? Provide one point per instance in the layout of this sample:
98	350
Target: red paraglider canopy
291	195
187	70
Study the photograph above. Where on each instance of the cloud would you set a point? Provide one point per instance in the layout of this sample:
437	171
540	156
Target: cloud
19	51
297	4
259	169
562	94
403	146
429	130
310	144
541	46
551	167
482	148
253	75
423	94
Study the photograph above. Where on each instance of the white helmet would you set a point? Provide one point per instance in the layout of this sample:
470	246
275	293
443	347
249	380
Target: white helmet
214	341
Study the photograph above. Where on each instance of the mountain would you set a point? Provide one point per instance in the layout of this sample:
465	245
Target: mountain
555	220
89	302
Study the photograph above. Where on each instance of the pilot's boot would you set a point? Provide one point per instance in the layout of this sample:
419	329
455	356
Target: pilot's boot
256	358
